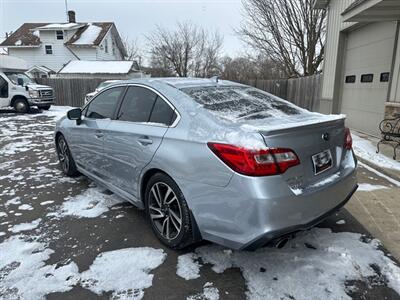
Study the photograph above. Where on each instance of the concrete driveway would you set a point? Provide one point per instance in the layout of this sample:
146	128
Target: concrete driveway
63	238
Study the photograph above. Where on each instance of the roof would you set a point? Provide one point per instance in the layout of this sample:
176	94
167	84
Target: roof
98	67
320	4
43	69
87	34
23	36
186	82
353	5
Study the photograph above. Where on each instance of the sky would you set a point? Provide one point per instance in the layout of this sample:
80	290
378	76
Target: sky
133	18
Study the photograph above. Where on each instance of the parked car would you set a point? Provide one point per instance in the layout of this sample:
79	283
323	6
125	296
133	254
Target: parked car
18	90
101	86
210	159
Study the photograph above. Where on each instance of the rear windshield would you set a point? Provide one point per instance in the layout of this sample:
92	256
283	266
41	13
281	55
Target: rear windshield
241	103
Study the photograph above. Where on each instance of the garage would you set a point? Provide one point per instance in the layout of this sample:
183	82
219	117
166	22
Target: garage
367	66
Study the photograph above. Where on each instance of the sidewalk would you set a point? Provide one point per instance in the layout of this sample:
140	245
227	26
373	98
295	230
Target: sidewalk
365	148
376	204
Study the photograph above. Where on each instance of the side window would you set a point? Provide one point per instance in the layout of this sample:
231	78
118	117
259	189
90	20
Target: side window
104	105
3	88
48	49
137	105
60	34
162	113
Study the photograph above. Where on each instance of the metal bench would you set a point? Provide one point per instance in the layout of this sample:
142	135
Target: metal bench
390	132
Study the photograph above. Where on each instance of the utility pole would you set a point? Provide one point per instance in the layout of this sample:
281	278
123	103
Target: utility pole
66	9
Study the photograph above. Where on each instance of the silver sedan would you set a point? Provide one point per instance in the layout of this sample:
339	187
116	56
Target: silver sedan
211	159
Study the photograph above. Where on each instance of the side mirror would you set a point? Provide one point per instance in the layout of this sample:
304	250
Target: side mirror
75	114
20	81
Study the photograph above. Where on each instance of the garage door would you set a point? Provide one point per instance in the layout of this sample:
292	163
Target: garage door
368	59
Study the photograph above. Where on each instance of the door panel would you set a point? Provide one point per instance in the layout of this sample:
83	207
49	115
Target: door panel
128	148
369	50
87	144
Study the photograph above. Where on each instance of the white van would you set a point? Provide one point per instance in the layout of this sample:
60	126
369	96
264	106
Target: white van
20	91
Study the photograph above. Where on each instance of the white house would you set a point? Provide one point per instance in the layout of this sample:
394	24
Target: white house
361	75
53	45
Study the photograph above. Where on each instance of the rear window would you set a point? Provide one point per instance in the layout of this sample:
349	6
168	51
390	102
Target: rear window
241	103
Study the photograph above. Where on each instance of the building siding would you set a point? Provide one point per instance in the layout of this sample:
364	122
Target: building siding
334	27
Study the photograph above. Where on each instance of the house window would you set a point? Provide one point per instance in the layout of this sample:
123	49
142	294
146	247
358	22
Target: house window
106	46
385	77
113	48
351	79
367	78
60	35
48	49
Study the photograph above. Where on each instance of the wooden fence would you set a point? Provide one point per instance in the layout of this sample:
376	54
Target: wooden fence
304	92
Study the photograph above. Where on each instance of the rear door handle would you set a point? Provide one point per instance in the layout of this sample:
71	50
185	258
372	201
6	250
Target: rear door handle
145	140
99	134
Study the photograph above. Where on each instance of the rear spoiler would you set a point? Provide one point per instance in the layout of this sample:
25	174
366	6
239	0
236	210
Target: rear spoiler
329	120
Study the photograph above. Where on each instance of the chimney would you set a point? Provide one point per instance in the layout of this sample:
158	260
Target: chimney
71	16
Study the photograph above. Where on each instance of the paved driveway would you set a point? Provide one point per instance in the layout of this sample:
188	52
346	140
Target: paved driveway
63	238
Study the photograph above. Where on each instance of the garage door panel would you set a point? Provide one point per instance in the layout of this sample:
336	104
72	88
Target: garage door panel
369	51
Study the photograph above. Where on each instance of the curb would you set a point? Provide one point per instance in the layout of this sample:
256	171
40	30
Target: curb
395	175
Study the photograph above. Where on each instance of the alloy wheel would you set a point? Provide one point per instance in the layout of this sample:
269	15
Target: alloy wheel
165	210
63	154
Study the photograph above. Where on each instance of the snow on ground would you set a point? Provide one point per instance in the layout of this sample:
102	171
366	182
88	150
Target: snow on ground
366	150
209	293
367	187
391	180
124	272
327	260
25	226
91	204
24	274
188	267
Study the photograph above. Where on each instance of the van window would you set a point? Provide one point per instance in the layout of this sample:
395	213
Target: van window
3	88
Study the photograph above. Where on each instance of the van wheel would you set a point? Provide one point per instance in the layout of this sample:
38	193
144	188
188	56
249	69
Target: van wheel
46	107
168	212
21	106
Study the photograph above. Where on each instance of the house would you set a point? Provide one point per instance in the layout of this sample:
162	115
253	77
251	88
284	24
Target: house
40	72
53	45
361	73
124	69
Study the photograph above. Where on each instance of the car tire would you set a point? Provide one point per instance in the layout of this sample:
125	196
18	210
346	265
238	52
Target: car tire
166	213
21	106
46	107
65	158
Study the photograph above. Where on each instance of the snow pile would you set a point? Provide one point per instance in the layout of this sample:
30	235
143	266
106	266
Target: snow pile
188	268
124	272
24	274
366	187
209	293
25	207
391	180
25	226
91	204
89	35
366	150
327	260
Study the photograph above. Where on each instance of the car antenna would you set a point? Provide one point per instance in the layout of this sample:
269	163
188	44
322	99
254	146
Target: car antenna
216	78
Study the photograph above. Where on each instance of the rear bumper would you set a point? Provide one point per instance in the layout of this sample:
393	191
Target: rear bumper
269	237
252	211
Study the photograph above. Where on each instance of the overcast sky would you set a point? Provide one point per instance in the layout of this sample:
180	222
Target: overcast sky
134	18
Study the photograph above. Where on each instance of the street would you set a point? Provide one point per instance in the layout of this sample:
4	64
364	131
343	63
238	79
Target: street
66	238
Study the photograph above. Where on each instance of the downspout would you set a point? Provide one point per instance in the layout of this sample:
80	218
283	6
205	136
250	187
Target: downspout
73	53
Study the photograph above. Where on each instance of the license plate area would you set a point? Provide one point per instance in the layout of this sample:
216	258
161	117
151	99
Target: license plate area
322	161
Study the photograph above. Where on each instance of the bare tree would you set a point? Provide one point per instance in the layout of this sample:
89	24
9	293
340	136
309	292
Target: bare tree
290	32
187	50
133	50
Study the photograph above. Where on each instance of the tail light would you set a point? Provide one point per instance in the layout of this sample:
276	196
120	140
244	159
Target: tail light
271	161
348	140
